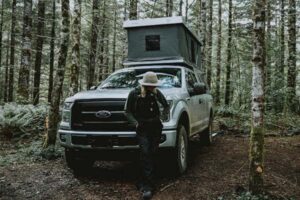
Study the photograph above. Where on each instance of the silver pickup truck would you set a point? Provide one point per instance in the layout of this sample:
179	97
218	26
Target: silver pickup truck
94	121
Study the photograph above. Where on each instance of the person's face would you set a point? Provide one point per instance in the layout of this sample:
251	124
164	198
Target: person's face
150	88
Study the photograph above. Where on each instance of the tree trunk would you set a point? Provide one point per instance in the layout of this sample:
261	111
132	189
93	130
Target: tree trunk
54	116
93	45
133	9
292	103
39	51
209	43
219	48
268	57
12	53
180	7
6	71
114	37
1	32
169	8
23	83
228	63
203	33
257	132
52	47
75	67
103	31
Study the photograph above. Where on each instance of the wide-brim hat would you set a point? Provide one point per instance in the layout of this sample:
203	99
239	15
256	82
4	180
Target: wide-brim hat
150	79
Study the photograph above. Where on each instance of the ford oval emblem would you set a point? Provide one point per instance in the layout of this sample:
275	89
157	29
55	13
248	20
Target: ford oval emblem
103	114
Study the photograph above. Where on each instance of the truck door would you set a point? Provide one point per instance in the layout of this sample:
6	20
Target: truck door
193	101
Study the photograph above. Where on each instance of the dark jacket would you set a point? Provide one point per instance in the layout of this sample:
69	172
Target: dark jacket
131	105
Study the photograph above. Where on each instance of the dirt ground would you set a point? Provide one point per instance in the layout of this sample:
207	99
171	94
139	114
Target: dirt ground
220	170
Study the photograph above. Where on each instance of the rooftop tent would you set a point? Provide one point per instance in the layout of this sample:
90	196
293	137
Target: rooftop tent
161	40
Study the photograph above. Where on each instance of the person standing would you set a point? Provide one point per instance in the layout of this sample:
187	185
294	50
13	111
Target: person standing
142	111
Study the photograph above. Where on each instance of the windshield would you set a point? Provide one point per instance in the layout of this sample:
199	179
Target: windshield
168	77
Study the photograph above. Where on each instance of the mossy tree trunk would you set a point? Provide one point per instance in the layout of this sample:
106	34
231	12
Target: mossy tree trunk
133	9
257	132
52	47
228	62
75	66
12	52
209	43
39	50
54	116
219	48
93	45
23	81
203	33
292	103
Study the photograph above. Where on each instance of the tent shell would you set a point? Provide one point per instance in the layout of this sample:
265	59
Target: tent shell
162	41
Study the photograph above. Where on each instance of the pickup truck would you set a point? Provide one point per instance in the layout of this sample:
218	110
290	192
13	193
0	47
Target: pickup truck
94	121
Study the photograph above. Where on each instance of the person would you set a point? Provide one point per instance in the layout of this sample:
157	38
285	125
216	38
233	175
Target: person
143	112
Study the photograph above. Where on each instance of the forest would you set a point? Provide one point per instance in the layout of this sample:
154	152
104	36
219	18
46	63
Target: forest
52	49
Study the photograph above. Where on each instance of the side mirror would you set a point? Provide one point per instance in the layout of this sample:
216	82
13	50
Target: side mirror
93	87
199	88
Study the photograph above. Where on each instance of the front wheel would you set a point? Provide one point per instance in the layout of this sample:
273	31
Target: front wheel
78	163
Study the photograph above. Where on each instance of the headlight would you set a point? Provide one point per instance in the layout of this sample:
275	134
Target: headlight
66	112
167	115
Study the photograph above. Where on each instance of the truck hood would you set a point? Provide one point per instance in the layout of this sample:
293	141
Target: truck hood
170	93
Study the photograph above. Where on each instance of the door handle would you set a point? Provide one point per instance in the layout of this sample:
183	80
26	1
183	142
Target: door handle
188	99
200	101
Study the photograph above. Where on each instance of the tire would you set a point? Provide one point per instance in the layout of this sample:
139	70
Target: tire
181	151
206	135
78	163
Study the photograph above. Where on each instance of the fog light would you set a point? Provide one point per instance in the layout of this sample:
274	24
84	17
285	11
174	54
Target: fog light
63	137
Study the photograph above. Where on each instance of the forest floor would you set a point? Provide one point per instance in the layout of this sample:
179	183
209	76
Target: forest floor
219	171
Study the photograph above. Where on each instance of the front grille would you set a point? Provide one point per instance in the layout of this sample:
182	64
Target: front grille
103	141
84	115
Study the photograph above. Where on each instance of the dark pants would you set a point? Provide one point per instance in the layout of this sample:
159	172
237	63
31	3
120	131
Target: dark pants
148	136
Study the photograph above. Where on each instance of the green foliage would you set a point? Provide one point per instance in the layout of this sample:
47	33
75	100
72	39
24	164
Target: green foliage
22	120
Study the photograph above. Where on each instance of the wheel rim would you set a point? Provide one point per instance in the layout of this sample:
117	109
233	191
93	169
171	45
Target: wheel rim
182	152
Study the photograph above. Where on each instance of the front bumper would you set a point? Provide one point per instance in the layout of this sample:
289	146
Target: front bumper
111	140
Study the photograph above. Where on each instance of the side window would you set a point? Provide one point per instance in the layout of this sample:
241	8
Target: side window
190	79
152	42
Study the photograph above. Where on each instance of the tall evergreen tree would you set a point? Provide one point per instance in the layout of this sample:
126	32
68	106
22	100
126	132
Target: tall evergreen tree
52	47
23	83
257	131
228	62
59	77
12	52
209	43
76	29
219	48
203	33
292	74
133	9
39	51
93	45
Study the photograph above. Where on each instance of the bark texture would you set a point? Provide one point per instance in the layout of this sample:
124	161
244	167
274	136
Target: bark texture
23	83
39	50
75	66
93	45
219	48
292	102
256	169
209	43
169	8
1	32
52	47
228	62
12	53
203	33
133	9
54	116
